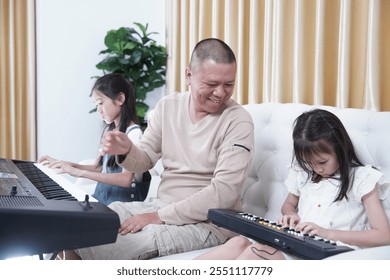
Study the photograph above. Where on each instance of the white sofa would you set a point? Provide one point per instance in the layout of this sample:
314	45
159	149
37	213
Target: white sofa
264	190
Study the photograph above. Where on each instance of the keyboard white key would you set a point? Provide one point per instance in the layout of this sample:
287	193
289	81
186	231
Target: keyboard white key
67	185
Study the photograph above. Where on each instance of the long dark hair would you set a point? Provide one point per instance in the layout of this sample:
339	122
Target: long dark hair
320	131
112	85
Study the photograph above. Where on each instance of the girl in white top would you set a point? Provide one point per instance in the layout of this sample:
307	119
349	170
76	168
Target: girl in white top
331	193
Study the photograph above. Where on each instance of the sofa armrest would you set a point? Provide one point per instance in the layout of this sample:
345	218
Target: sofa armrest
152	193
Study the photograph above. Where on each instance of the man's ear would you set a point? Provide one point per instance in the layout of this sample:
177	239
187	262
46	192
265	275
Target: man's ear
188	76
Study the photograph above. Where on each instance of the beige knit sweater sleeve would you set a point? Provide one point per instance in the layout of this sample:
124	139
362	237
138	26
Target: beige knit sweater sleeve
204	163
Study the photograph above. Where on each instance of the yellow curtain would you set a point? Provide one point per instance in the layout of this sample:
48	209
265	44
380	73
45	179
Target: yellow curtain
331	52
17	79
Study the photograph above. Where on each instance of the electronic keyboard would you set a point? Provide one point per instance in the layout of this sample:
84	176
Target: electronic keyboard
272	234
38	216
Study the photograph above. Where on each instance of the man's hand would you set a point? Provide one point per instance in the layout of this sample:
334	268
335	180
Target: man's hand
115	143
138	222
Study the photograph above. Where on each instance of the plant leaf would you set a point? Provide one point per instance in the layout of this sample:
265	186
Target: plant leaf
137	56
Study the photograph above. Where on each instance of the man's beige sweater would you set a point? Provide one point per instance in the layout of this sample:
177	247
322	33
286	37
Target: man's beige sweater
204	163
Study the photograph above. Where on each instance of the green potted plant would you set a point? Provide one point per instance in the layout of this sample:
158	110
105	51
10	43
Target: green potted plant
139	58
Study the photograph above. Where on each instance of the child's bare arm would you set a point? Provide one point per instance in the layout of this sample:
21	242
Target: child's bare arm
289	210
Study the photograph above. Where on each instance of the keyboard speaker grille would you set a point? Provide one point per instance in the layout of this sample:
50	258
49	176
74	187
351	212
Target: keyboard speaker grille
19	201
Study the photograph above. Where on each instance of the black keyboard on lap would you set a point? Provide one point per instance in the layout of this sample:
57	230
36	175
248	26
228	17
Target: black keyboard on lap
270	233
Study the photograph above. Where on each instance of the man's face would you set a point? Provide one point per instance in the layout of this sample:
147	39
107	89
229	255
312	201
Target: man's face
212	85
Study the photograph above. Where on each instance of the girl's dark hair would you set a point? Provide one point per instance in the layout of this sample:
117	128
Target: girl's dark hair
320	131
112	85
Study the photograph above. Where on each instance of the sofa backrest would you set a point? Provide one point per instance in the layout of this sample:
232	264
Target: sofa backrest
264	190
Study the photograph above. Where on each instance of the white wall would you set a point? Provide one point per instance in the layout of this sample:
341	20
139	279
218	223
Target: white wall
70	35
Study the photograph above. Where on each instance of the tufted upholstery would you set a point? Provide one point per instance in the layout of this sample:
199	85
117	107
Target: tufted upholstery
264	190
